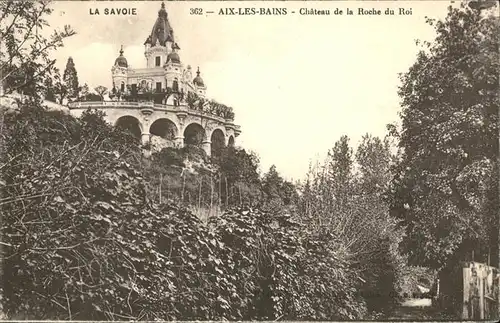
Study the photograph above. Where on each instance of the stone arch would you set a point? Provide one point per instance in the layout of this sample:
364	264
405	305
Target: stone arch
194	134
164	128
218	140
131	124
230	141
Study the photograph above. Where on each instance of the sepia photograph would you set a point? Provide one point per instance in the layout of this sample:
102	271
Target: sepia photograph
250	160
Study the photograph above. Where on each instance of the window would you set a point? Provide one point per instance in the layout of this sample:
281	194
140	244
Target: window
158	60
134	88
122	87
175	86
158	86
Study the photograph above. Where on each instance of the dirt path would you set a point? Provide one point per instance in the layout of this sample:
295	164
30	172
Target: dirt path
417	309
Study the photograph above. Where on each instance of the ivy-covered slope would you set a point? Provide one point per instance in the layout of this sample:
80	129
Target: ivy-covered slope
81	239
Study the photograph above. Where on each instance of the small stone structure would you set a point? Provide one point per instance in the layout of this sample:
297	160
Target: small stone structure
480	291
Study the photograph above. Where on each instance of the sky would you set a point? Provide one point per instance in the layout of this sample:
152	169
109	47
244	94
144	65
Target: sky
297	83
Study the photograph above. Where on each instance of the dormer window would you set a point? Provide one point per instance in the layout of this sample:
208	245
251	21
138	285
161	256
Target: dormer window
158	61
122	87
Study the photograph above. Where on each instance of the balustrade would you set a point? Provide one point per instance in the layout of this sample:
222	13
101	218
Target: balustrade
149	105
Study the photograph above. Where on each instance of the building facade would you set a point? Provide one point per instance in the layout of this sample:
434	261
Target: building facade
165	102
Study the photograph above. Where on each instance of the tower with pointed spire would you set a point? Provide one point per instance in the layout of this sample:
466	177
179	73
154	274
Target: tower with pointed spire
164	103
164	69
160	41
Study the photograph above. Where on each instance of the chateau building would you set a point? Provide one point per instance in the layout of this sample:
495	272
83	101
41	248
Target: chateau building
164	103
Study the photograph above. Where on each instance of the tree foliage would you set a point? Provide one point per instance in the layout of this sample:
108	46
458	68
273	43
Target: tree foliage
279	192
70	79
86	95
187	175
445	186
351	205
195	102
59	88
374	159
25	62
101	91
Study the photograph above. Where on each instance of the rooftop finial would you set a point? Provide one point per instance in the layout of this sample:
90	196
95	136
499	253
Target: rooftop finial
162	12
121	50
198	71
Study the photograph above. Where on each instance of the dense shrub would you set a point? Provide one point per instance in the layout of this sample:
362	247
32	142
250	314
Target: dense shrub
82	240
177	156
239	177
283	271
193	153
170	156
171	176
209	106
187	175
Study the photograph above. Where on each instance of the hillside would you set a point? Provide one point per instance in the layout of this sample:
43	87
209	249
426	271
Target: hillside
89	229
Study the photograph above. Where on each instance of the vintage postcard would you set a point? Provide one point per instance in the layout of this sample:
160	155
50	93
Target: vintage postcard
249	160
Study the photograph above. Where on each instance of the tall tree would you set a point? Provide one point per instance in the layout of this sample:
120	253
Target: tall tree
50	92
339	171
351	205
70	78
446	185
374	157
239	177
376	234
329	188
278	190
237	164
60	88
25	63
272	183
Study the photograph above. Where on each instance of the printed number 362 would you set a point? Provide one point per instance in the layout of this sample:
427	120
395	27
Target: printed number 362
196	11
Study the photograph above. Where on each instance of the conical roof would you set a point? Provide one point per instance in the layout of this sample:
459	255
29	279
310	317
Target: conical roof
162	31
